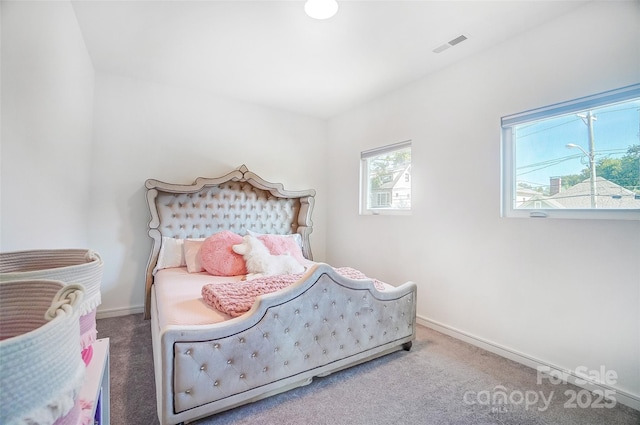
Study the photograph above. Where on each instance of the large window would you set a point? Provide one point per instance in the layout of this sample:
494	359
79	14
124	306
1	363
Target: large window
386	180
577	159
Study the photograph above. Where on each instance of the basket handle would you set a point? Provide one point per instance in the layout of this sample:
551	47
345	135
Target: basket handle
65	301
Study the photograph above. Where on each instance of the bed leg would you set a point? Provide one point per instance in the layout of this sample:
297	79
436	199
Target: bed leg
407	345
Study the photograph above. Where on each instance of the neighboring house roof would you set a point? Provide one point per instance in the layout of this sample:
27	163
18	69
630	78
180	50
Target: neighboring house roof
525	191
523	194
609	195
545	202
396	176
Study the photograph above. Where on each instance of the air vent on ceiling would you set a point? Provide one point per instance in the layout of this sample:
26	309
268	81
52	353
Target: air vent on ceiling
451	43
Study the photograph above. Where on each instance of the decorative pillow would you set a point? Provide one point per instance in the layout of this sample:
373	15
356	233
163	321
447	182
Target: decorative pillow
217	256
295	236
282	244
171	254
192	255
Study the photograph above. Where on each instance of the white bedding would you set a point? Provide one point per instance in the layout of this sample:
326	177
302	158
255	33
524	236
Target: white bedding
179	297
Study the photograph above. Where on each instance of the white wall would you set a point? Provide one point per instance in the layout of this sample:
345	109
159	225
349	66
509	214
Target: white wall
77	148
535	287
47	101
562	292
144	130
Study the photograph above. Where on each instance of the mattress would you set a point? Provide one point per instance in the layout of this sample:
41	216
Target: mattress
179	297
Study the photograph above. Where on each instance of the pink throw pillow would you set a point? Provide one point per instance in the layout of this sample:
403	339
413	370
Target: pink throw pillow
281	244
217	256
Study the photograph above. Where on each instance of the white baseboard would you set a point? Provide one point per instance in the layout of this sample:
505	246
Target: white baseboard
116	312
621	396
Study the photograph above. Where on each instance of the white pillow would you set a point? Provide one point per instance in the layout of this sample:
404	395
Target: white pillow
171	254
192	255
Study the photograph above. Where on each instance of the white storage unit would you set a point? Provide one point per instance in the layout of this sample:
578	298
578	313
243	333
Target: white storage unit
96	386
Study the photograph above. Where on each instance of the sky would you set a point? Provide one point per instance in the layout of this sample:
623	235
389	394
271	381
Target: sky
541	147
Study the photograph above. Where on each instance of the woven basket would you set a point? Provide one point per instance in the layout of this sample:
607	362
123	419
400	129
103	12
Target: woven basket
41	369
79	266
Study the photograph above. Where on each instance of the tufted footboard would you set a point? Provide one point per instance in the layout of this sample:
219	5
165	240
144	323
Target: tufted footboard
323	323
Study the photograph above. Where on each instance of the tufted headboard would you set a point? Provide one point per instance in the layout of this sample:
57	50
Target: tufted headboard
238	201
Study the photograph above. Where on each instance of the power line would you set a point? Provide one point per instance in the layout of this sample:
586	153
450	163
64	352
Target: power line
545	164
551	162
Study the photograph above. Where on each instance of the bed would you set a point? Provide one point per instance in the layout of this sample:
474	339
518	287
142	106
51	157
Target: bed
207	361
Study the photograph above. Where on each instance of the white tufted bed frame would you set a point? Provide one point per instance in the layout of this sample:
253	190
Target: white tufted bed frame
321	324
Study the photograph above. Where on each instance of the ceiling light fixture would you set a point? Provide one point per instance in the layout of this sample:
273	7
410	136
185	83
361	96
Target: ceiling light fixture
321	9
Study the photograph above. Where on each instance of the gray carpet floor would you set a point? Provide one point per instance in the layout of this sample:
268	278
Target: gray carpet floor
440	381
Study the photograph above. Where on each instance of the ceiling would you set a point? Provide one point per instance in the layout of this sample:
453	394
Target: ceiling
270	53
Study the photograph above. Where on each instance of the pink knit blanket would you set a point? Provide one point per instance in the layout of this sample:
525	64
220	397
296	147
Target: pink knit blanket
236	298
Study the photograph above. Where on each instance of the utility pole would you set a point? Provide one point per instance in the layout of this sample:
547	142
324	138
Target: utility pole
588	120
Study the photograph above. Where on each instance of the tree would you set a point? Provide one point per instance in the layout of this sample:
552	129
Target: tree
624	171
383	167
573	179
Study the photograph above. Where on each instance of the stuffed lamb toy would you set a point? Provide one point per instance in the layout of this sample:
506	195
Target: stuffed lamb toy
260	262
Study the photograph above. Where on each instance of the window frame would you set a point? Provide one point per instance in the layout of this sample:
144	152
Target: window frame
365	156
508	162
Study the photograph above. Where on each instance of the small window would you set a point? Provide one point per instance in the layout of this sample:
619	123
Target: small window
576	159
386	180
